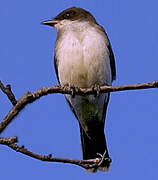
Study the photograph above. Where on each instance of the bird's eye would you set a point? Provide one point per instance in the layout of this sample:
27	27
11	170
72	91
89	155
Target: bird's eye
69	14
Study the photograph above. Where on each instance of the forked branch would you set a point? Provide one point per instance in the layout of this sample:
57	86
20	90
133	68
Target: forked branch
29	97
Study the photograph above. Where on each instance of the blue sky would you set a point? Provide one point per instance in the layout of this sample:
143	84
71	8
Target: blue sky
48	126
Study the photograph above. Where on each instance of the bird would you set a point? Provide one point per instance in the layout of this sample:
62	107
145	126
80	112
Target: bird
83	58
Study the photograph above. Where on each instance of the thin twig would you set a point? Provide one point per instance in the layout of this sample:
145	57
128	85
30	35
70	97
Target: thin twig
8	140
83	163
7	90
102	158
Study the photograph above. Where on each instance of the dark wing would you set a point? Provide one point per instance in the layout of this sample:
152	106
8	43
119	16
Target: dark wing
111	55
56	67
112	59
112	62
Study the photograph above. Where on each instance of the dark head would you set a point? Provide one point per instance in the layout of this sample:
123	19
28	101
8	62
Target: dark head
70	15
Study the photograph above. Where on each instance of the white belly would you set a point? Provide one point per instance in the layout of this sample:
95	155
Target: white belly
83	61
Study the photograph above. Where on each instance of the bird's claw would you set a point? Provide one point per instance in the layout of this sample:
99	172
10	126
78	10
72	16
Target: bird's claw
96	90
71	88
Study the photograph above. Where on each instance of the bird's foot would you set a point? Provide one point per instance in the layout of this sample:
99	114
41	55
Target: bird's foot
72	89
96	90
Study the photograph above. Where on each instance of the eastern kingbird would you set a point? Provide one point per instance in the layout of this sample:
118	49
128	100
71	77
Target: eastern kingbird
84	58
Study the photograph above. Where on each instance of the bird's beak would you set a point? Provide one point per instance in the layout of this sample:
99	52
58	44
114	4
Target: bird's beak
50	22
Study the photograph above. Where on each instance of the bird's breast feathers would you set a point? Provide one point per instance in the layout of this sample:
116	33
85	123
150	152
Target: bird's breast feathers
83	59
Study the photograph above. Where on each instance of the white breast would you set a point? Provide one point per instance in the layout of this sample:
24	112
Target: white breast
83	58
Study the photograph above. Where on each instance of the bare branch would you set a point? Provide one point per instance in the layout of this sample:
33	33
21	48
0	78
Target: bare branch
8	140
31	97
7	90
83	163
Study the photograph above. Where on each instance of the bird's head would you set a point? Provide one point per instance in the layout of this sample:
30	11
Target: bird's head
69	16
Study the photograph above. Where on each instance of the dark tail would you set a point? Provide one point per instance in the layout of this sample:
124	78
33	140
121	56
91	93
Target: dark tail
94	144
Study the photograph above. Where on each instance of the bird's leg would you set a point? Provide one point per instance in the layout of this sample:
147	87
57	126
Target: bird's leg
96	90
72	88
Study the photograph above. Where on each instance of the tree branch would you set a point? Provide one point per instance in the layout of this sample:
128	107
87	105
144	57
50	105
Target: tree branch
7	90
92	163
29	97
8	140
